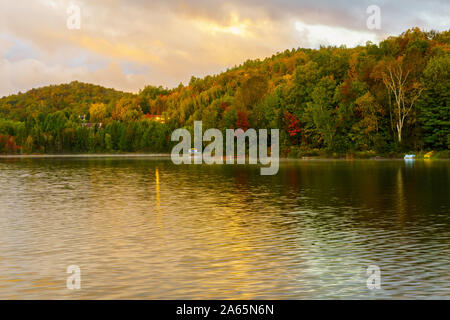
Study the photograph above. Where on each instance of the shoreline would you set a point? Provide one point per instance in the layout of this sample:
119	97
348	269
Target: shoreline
86	155
167	155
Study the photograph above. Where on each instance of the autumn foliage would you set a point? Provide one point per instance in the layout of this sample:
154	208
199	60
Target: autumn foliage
242	122
383	98
293	126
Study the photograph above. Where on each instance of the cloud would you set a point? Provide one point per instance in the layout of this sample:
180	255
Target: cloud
30	73
127	44
316	35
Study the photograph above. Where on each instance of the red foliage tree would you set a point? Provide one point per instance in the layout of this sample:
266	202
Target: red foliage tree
242	122
293	126
8	144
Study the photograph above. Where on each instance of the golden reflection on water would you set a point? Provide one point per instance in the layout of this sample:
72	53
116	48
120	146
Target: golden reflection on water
400	195
149	229
158	199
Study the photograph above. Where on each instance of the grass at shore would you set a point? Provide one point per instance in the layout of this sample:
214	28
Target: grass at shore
297	153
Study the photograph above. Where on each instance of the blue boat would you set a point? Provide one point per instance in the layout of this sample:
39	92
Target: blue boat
410	157
194	152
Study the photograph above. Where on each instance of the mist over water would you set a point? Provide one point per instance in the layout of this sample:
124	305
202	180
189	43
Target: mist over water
143	228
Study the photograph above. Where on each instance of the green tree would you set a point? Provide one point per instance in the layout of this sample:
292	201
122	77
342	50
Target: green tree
434	106
321	109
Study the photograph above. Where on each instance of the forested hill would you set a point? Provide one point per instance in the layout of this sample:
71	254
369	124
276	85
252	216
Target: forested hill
372	99
75	97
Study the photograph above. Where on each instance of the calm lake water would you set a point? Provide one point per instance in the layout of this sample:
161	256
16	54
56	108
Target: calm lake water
143	228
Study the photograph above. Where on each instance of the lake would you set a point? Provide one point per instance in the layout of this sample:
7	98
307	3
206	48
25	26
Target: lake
144	228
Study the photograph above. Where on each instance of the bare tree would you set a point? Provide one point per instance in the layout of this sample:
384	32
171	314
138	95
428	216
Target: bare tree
405	91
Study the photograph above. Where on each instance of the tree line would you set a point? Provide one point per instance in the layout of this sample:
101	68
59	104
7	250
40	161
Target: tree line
369	100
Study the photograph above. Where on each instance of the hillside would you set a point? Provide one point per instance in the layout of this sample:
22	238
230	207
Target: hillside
75	96
372	99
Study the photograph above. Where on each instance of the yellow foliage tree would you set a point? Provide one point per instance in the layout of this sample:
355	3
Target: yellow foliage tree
97	112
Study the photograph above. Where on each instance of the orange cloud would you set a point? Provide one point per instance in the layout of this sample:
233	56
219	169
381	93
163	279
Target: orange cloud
118	50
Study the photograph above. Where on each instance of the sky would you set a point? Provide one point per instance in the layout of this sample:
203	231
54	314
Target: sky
128	44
